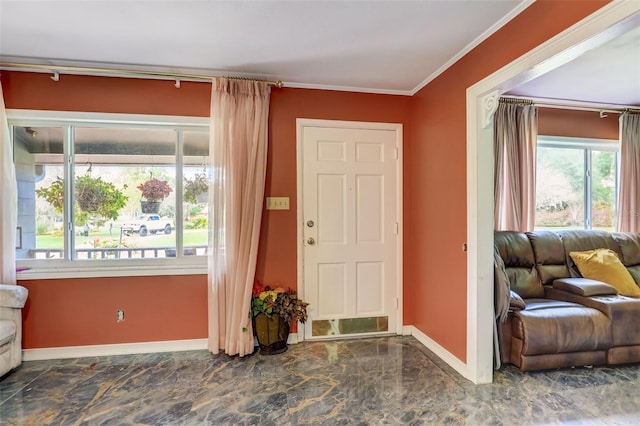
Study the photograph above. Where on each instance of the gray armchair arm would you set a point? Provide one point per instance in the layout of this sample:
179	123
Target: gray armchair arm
13	296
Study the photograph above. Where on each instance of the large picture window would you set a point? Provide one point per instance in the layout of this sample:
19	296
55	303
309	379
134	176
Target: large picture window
576	183
108	190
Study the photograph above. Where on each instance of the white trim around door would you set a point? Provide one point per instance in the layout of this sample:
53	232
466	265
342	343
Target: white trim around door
301	123
605	24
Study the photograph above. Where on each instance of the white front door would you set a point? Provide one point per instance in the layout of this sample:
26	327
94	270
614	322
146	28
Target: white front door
350	214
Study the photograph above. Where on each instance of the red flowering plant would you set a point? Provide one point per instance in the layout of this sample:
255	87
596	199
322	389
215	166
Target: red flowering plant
265	300
155	190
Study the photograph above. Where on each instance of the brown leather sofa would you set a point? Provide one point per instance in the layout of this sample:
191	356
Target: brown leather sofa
563	319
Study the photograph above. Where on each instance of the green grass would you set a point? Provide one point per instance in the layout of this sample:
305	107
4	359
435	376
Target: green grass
192	237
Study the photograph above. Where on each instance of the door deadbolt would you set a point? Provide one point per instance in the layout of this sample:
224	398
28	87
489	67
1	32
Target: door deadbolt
311	241
310	223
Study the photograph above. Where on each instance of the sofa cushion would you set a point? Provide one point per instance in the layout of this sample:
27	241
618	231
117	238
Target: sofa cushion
515	250
604	265
583	240
550	258
629	243
585	287
7	332
552	328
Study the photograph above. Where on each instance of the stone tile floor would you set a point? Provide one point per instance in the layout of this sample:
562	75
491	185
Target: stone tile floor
373	381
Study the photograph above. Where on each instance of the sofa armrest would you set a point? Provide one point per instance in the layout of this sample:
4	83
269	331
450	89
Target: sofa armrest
13	296
584	287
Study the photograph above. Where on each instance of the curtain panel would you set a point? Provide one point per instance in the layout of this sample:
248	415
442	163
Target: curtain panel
515	139
238	142
628	219
9	197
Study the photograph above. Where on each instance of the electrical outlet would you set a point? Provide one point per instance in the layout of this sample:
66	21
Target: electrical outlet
119	315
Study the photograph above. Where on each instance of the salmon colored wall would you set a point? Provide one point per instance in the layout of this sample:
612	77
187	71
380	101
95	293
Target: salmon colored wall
74	312
278	258
99	94
435	271
83	310
578	124
434	181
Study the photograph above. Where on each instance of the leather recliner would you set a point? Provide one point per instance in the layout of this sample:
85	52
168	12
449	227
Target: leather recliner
567	320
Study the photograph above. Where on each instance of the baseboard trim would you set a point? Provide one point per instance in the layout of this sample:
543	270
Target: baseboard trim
434	347
201	344
114	349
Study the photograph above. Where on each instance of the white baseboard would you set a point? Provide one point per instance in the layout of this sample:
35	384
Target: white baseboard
201	344
115	349
434	347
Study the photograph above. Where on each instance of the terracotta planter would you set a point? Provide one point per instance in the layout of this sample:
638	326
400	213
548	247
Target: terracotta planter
272	333
150	206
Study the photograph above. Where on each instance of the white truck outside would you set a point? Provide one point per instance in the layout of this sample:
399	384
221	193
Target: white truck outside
146	223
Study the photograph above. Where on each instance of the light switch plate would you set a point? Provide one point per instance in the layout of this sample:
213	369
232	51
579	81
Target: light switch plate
277	203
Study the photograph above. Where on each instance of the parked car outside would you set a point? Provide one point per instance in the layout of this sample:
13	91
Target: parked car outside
147	223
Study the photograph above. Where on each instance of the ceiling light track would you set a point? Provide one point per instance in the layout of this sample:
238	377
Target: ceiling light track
113	72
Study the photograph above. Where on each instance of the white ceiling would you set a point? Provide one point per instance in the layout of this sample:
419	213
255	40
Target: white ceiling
606	75
372	46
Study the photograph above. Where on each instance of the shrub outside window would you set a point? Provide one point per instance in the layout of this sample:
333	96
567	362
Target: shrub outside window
576	183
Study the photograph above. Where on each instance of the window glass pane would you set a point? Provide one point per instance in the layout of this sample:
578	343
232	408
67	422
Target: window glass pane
124	193
38	160
196	184
603	189
559	188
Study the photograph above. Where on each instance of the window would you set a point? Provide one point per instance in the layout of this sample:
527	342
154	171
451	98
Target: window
576	183
111	189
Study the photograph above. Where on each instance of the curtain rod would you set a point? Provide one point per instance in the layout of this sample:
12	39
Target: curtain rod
579	106
55	69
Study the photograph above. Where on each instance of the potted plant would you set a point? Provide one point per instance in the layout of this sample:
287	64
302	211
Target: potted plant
153	192
92	195
273	311
196	189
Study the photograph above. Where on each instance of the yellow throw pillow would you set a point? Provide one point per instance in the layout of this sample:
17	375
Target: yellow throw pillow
604	265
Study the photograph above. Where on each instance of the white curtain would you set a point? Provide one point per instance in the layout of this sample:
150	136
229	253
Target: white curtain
629	193
239	122
9	197
515	139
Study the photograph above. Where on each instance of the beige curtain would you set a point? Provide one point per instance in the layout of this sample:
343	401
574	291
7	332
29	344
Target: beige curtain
629	193
9	197
239	121
515	137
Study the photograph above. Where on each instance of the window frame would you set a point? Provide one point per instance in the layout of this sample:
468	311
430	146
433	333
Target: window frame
81	268
587	145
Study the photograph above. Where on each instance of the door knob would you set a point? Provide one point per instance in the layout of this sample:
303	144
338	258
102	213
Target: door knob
311	241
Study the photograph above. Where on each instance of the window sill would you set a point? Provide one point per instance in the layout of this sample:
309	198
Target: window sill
118	268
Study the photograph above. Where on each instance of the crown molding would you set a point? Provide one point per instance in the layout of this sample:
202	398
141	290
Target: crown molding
468	48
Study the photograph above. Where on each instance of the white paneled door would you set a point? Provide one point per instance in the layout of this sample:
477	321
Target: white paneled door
350	227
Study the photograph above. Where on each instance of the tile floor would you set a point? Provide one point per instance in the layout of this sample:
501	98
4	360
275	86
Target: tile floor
374	381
